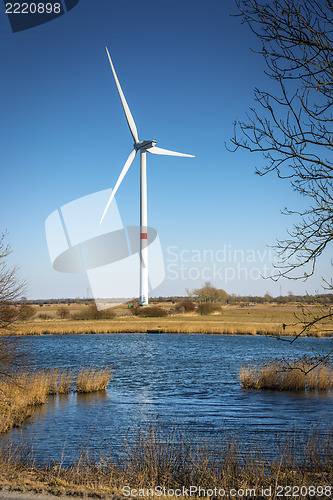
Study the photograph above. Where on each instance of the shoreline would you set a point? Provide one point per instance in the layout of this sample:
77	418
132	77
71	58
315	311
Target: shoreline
170	325
139	329
265	320
130	332
181	462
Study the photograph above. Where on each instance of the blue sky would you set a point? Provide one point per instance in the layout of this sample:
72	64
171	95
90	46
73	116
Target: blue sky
187	72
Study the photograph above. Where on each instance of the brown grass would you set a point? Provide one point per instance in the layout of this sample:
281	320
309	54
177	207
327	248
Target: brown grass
214	324
59	380
173	460
92	379
302	374
257	320
261	319
64	381
20	393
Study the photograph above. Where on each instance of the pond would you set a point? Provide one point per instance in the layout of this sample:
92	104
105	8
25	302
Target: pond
186	380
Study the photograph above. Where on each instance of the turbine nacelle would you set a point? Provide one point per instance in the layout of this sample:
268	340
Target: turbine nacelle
144	145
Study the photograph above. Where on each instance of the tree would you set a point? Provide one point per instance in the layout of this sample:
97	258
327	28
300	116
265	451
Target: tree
208	293
11	287
13	354
292	123
185	306
63	312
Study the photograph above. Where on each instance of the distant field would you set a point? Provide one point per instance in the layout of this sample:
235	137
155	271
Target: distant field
250	320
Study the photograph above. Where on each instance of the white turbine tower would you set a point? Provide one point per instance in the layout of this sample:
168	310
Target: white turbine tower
143	147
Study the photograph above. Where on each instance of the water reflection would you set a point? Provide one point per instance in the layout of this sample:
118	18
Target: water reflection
92	398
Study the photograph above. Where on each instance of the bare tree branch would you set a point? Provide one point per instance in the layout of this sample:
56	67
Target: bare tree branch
11	287
292	124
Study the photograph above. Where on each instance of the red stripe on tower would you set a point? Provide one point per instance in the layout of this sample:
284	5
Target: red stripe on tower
144	236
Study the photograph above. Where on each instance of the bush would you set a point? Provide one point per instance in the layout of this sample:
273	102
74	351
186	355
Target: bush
207	308
26	312
92	312
208	293
185	306
106	314
150	312
63	312
8	315
44	316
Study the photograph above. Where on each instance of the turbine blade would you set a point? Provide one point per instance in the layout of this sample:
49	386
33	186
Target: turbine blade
160	151
120	178
128	114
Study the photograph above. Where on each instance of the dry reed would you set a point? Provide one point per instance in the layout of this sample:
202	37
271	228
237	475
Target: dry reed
59	380
65	381
230	324
173	460
21	392
93	379
302	374
18	394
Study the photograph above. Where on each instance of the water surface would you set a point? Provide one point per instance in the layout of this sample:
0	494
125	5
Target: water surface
190	380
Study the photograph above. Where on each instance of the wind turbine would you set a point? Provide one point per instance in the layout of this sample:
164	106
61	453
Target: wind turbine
142	147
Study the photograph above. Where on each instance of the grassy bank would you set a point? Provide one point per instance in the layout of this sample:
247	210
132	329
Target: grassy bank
211	325
258	320
20	393
173	461
302	374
